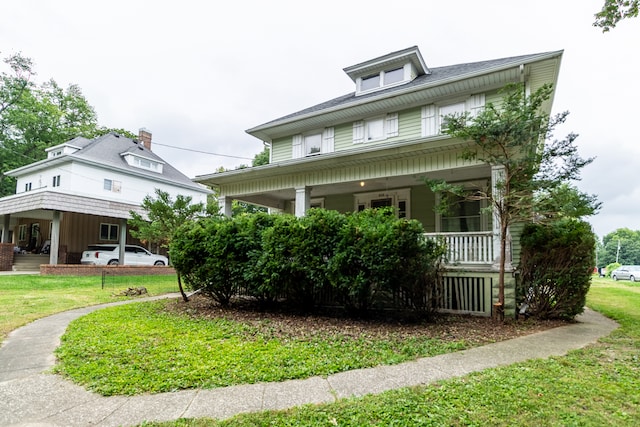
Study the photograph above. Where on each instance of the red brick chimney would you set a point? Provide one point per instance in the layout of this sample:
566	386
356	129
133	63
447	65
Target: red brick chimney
144	135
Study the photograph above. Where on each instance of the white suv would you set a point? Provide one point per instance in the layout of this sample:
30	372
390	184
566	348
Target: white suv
110	254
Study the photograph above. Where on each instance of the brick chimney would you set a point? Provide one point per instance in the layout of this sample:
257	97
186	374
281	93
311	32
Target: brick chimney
144	135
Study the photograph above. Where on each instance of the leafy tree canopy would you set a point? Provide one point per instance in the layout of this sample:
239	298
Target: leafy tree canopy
614	11
37	116
622	246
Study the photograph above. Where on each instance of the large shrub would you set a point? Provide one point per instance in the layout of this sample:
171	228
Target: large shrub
556	266
295	253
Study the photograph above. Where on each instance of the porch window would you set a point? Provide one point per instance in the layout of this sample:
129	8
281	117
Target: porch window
22	232
109	232
463	216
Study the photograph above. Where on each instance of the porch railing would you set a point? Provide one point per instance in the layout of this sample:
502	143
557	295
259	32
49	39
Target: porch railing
467	248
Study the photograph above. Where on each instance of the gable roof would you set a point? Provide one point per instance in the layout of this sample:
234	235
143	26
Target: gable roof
107	151
438	76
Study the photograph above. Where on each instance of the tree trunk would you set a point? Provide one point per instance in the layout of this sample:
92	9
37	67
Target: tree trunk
185	298
499	307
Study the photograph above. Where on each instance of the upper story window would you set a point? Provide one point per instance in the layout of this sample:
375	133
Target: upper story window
313	143
56	181
436	116
112	185
375	128
27	186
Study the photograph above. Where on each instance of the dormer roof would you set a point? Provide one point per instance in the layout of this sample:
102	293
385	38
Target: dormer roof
389	61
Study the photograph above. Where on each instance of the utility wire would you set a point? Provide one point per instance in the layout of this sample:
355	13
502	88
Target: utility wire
199	151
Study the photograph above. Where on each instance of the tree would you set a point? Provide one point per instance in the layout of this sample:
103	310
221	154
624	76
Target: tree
512	135
34	117
262	158
163	217
614	11
621	246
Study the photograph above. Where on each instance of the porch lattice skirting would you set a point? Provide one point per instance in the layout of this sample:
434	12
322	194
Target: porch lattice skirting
466	295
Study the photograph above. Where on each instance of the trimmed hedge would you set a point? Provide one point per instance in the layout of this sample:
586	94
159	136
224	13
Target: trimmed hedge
556	267
361	261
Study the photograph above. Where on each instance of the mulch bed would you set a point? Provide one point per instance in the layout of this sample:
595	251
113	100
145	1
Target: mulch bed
289	325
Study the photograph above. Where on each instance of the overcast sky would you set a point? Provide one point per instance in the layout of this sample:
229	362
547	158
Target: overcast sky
198	73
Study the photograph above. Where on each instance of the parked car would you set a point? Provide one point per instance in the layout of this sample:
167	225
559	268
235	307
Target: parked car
624	272
110	254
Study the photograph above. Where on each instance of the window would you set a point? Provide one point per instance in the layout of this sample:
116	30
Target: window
112	185
463	216
56	181
393	76
109	232
312	143
27	186
22	232
455	110
381	80
370	82
375	129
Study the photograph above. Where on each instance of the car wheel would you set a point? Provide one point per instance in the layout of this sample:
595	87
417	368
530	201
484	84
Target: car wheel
614	277
113	262
632	278
158	263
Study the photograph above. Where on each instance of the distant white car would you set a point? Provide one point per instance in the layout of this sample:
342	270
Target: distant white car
110	254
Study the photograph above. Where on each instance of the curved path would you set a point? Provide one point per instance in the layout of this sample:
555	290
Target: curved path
31	397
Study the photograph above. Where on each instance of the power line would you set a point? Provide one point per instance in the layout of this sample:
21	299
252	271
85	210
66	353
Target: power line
199	151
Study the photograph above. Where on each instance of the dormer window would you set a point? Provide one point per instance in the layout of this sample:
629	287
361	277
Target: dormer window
387	71
143	162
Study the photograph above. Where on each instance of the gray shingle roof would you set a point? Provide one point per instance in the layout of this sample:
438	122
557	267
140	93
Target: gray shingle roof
107	150
438	74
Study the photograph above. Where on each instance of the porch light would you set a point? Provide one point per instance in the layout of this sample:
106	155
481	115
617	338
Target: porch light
361	183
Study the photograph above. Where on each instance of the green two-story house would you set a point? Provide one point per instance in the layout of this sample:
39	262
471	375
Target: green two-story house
375	146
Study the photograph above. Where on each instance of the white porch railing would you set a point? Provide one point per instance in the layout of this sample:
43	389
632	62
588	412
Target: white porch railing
467	248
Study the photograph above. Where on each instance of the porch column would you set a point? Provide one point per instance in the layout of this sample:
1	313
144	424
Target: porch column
5	230
225	206
303	200
55	238
497	182
123	239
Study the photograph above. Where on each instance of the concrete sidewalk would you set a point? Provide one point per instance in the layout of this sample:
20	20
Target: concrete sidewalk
31	397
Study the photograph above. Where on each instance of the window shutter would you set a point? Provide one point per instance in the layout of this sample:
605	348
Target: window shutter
475	104
296	148
429	127
358	132
392	125
328	145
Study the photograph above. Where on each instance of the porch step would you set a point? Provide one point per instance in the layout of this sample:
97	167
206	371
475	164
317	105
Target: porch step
29	262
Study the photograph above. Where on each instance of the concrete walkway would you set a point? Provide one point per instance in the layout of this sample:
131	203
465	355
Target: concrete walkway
31	397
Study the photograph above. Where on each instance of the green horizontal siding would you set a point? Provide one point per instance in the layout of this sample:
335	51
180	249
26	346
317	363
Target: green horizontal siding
281	149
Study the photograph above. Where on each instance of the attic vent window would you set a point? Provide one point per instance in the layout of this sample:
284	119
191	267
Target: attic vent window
394	76
370	82
382	80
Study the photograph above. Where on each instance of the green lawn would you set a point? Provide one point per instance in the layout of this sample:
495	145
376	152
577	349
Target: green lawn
24	298
595	386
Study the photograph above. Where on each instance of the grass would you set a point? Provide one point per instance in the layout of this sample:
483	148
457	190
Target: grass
594	386
24	298
141	348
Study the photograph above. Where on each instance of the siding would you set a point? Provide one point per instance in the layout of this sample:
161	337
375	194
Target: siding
281	149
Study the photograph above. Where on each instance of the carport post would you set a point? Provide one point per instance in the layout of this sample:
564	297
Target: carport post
123	239
55	238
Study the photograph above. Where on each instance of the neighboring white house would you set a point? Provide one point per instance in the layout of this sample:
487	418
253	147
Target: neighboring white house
83	192
375	146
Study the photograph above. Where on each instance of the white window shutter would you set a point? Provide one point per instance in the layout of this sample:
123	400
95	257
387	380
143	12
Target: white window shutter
475	104
296	147
392	125
429	122
328	145
358	132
